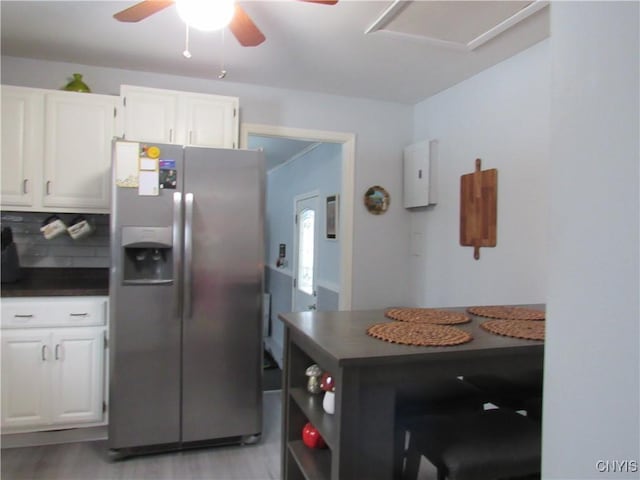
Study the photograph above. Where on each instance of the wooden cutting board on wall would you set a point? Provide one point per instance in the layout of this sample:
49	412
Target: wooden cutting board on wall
479	209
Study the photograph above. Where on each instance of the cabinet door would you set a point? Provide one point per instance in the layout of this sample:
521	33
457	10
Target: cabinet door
22	124
211	120
77	374
78	134
25	377
150	115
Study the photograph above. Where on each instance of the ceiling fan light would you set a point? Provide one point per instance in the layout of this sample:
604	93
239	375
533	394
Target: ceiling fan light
206	15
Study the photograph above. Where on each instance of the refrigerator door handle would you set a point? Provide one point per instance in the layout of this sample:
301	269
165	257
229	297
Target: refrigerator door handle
177	256
188	253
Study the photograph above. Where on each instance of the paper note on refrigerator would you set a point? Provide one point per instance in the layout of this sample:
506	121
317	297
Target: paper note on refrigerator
149	183
127	154
148	163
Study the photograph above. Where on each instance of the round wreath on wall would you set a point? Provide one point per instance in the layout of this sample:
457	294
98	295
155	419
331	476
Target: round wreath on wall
377	200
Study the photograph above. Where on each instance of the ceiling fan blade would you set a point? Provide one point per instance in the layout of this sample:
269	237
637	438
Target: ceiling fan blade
247	33
142	10
323	2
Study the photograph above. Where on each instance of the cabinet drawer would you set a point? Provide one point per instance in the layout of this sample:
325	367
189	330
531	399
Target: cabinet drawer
54	312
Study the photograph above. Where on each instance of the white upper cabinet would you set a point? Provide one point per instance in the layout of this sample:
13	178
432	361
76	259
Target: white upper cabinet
150	115
78	134
184	118
56	150
211	120
56	145
22	133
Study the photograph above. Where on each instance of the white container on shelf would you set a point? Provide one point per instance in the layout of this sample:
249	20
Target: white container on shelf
329	402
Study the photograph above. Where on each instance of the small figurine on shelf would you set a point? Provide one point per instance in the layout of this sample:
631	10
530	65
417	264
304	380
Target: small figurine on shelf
311	437
313	384
329	400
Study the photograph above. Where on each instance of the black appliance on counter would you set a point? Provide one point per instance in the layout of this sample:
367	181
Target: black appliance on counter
10	263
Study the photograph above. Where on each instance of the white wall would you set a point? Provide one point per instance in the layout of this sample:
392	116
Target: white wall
382	129
502	117
592	372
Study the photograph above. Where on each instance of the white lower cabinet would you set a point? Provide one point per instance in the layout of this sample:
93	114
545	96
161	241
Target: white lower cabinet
26	378
77	378
52	377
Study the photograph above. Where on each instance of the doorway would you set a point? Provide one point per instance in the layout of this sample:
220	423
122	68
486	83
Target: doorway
346	207
279	272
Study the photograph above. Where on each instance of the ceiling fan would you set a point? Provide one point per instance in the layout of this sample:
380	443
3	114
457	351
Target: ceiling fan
242	27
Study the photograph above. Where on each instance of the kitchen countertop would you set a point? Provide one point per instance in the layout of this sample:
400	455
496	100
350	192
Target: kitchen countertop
52	282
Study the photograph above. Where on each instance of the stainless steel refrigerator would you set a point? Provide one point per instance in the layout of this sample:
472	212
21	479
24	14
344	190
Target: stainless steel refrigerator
186	285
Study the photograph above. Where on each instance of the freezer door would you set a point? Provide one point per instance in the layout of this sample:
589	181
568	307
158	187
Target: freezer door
222	343
145	327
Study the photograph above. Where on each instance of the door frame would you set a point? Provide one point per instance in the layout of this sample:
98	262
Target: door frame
346	214
298	198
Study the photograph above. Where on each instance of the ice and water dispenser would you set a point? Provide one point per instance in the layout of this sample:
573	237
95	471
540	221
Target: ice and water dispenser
148	255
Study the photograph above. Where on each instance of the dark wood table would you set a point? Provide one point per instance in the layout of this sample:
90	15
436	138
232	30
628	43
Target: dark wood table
367	372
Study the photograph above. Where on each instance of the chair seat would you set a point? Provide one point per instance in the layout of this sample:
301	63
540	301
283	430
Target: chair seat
440	396
510	392
446	395
488	445
533	406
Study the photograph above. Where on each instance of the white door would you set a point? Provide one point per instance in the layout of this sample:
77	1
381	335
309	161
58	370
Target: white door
77	374
25	377
305	253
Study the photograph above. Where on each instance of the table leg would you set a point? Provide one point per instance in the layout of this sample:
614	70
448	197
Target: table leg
366	432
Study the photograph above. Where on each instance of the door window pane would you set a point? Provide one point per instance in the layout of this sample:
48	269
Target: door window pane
306	236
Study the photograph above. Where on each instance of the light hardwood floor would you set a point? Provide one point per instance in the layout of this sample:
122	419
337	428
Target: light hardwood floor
90	460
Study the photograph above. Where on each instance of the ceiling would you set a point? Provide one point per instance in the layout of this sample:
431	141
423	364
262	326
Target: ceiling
418	49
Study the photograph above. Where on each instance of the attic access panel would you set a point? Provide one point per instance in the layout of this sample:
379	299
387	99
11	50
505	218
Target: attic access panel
462	25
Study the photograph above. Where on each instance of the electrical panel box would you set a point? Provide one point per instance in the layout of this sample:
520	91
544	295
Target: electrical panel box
419	174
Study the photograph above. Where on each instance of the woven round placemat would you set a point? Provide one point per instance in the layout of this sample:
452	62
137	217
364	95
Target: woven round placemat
507	313
427	315
421	334
525	329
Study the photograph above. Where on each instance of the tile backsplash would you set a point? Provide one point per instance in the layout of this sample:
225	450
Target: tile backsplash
61	252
